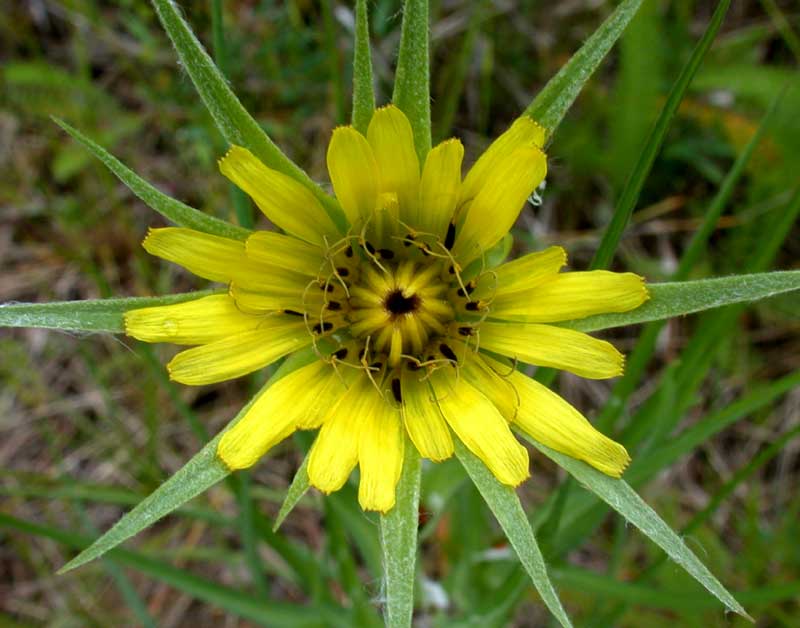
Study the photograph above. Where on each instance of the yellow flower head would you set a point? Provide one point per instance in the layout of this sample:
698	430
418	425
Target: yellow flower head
400	309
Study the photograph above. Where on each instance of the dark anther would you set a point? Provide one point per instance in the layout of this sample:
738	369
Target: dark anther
341	354
361	354
448	352
413	366
408	239
386	253
398	304
465	331
425	250
450	238
348	251
376	365
292	313
460	292
472	306
370	248
328	287
451	270
430	358
320	327
470	287
343	272
396	390
334	306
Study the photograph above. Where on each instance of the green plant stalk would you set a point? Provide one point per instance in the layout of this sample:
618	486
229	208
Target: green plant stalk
399	542
633	187
363	90
412	88
235	123
173	210
552	103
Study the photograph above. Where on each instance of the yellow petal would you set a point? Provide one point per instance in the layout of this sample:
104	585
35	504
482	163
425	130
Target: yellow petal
274	415
354	174
522	273
498	203
203	254
286	202
335	451
439	188
191	323
523	132
392	141
424	423
241	354
572	295
277	299
481	427
548	345
380	456
547	418
492	382
286	252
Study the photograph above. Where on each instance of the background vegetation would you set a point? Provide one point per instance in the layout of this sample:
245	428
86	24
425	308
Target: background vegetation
90	424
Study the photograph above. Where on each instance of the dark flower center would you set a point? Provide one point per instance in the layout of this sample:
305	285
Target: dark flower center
398	304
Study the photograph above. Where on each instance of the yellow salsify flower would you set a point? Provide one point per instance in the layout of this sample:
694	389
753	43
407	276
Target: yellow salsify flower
408	325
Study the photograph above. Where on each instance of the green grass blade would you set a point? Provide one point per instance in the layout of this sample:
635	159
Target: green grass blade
679	298
297	489
363	90
239	603
95	315
634	184
236	125
399	543
412	87
553	102
504	503
201	472
172	209
622	498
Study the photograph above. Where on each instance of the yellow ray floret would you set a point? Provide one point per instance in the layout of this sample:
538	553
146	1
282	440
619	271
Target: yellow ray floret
523	273
203	254
354	174
392	141
571	296
297	399
523	132
287	203
192	323
496	207
285	252
440	187
241	354
380	456
424	423
481	427
557	347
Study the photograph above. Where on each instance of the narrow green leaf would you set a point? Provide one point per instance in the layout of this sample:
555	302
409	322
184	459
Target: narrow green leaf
553	102
297	489
686	297
201	472
363	91
504	503
412	88
622	498
236	125
103	315
634	184
399	543
240	603
173	210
